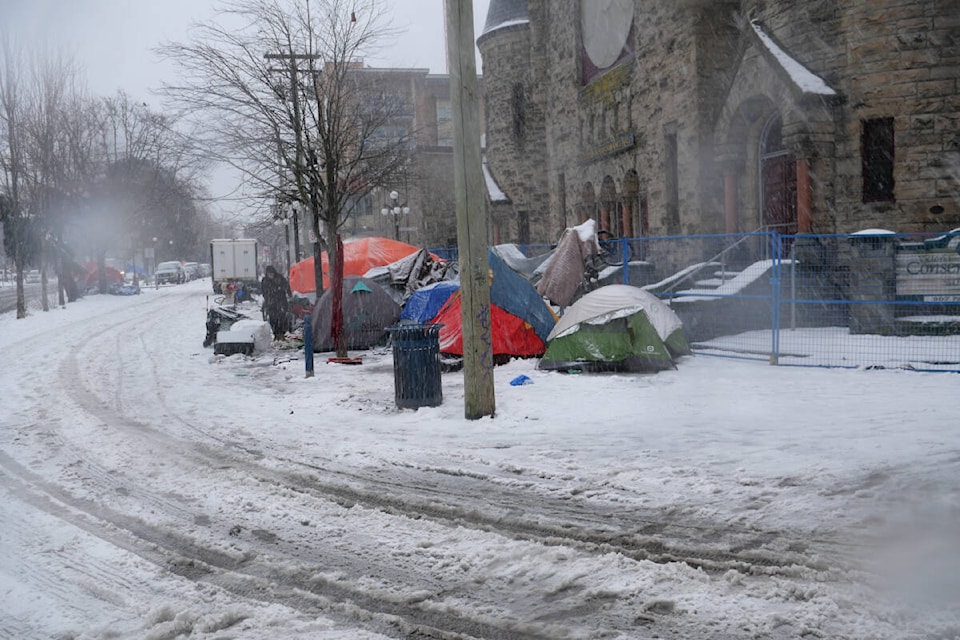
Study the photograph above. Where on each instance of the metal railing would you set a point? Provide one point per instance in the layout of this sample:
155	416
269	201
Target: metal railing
805	299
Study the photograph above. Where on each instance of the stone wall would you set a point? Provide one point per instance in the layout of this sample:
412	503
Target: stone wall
885	58
515	139
902	61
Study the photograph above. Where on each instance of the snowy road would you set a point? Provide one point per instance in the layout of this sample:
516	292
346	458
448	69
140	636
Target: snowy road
152	490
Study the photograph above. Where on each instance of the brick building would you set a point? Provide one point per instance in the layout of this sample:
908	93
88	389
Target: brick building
422	114
711	116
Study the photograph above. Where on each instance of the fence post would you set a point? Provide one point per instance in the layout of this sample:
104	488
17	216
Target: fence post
308	345
793	285
625	255
775	298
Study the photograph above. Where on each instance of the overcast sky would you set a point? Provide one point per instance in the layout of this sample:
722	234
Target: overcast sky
113	41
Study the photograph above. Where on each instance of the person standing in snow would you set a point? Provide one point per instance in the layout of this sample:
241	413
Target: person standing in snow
276	302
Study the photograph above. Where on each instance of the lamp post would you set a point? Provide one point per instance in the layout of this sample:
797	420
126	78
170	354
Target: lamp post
396	209
152	268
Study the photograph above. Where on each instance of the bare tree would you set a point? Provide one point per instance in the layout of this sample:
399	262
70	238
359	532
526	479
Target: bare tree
293	109
13	212
148	185
10	163
52	85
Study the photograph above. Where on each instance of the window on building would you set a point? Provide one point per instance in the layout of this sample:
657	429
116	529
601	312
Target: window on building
444	124
672	183
877	153
519	113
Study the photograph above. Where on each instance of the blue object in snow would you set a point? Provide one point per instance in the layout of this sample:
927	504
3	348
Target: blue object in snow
520	380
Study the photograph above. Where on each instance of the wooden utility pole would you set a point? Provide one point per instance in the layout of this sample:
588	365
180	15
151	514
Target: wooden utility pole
298	122
471	215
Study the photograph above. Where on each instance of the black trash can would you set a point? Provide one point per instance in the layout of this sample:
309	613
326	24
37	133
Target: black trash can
416	365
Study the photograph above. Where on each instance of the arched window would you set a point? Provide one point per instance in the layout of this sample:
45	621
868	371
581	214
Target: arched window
778	180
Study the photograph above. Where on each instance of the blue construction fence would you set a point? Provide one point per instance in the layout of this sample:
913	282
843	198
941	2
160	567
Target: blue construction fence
872	299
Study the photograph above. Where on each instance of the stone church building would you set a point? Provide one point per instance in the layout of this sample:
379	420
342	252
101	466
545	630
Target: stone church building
719	116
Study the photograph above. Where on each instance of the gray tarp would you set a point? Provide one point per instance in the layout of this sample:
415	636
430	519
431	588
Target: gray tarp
401	278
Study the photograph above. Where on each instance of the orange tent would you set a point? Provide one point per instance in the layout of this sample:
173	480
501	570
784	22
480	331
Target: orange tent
93	274
359	256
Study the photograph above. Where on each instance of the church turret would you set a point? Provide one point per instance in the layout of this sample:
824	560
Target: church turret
504	13
514	122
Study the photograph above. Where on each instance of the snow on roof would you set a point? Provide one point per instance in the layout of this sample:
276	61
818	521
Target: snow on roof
505	13
803	78
504	25
493	189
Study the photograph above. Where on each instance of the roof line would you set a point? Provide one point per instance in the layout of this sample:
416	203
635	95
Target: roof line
803	79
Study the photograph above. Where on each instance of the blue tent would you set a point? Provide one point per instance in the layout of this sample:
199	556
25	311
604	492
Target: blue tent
424	304
514	294
520	319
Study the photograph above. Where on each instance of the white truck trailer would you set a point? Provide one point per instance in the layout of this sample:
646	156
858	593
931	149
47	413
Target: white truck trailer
234	265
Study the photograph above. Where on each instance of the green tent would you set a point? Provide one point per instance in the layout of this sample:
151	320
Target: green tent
616	328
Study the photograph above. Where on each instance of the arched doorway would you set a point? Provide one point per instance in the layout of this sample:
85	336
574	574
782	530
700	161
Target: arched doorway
778	180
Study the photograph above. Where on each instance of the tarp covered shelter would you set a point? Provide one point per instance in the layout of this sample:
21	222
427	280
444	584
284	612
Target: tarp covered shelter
616	328
520	320
410	273
563	274
367	311
359	256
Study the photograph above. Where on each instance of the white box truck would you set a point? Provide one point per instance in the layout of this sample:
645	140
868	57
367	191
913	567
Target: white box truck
234	266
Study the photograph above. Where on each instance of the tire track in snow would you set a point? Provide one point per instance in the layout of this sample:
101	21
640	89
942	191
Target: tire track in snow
97	476
472	502
488	506
254	576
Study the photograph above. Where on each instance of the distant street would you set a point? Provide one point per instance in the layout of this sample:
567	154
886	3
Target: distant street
8	294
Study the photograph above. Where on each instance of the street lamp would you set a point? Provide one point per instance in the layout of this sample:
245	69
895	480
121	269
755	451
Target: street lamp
282	213
397	209
152	267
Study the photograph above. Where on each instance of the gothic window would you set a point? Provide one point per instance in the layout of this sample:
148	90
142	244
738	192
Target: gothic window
877	153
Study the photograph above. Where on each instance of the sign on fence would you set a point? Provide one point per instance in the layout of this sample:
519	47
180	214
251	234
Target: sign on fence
933	274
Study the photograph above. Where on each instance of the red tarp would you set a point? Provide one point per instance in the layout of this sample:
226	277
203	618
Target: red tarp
93	274
510	335
359	256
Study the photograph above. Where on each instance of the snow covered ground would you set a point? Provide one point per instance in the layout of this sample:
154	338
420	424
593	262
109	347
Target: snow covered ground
151	490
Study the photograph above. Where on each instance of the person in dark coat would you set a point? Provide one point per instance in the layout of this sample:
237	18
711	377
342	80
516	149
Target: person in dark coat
275	290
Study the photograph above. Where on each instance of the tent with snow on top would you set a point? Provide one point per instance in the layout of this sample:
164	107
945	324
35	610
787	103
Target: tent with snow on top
367	312
520	320
417	270
616	328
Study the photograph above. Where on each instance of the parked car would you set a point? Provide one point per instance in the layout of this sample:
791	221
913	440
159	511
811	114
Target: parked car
192	269
205	270
170	273
32	276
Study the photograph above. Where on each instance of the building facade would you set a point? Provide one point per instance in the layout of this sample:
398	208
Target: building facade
422	114
715	116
